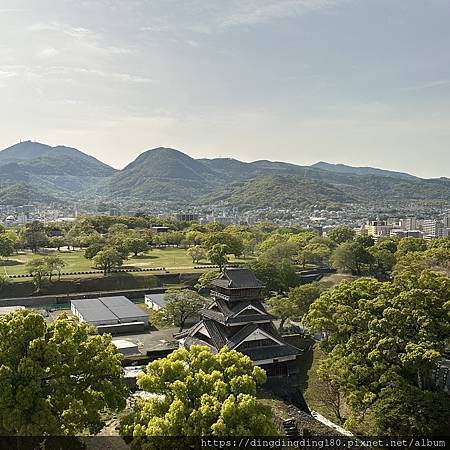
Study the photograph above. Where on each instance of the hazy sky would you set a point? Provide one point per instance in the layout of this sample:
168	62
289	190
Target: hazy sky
362	82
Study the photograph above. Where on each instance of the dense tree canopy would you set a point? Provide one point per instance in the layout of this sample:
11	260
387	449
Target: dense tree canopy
197	393
384	339
56	379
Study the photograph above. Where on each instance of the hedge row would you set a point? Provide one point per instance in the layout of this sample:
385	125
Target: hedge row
93	272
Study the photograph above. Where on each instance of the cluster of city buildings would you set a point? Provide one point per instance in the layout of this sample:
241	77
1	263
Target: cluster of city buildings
407	227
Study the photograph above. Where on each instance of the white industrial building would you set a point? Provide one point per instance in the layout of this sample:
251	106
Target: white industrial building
155	301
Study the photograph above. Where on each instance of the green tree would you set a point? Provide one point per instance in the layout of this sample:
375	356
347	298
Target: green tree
341	234
196	393
56	379
410	244
174	238
280	252
383	260
197	253
303	296
181	304
205	279
286	275
136	245
282	308
365	241
33	235
233	242
278	276
386	243
352	257
6	246
218	255
273	240
316	254
39	270
73	237
54	264
57	242
107	260
93	250
118	229
383	340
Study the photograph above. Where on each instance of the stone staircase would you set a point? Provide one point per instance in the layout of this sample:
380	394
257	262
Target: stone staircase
290	429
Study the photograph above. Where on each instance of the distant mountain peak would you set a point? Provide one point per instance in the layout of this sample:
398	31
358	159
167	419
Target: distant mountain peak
343	168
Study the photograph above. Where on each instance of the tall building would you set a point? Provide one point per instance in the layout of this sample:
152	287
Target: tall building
432	227
378	228
187	217
410	223
237	319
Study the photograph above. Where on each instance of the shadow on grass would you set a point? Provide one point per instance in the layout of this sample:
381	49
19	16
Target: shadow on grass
145	257
11	262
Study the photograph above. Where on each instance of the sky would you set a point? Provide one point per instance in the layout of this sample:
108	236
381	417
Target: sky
360	82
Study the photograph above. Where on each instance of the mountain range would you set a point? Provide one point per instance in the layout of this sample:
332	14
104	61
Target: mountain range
30	171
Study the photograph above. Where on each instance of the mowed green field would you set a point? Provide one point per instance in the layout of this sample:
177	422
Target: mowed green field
170	258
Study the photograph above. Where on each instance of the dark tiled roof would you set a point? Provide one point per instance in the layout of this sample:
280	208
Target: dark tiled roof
238	337
236	307
276	351
230	314
224	307
218	338
238	279
214	315
190	340
249	318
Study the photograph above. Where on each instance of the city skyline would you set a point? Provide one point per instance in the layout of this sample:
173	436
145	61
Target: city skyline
359	83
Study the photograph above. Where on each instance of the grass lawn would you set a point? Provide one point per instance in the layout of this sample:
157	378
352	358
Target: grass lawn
335	278
170	258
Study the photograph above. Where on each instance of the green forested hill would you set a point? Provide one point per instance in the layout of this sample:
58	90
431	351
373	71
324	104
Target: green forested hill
165	174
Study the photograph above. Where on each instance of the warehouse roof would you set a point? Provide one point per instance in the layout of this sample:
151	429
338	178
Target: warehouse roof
118	309
158	299
93	310
122	307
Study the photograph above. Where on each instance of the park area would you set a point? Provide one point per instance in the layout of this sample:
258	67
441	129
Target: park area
172	259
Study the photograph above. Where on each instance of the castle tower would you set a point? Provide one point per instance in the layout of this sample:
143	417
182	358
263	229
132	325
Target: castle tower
237	318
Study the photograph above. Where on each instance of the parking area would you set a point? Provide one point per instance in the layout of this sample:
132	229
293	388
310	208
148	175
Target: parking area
151	340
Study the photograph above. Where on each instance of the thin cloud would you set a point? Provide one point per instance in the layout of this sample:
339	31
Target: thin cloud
430	85
6	74
254	12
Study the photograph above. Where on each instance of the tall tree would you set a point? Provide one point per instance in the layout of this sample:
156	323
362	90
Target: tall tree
6	246
218	255
197	393
107	260
33	235
196	253
181	304
39	270
384	338
282	308
55	264
56	379
136	245
341	234
205	279
352	257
